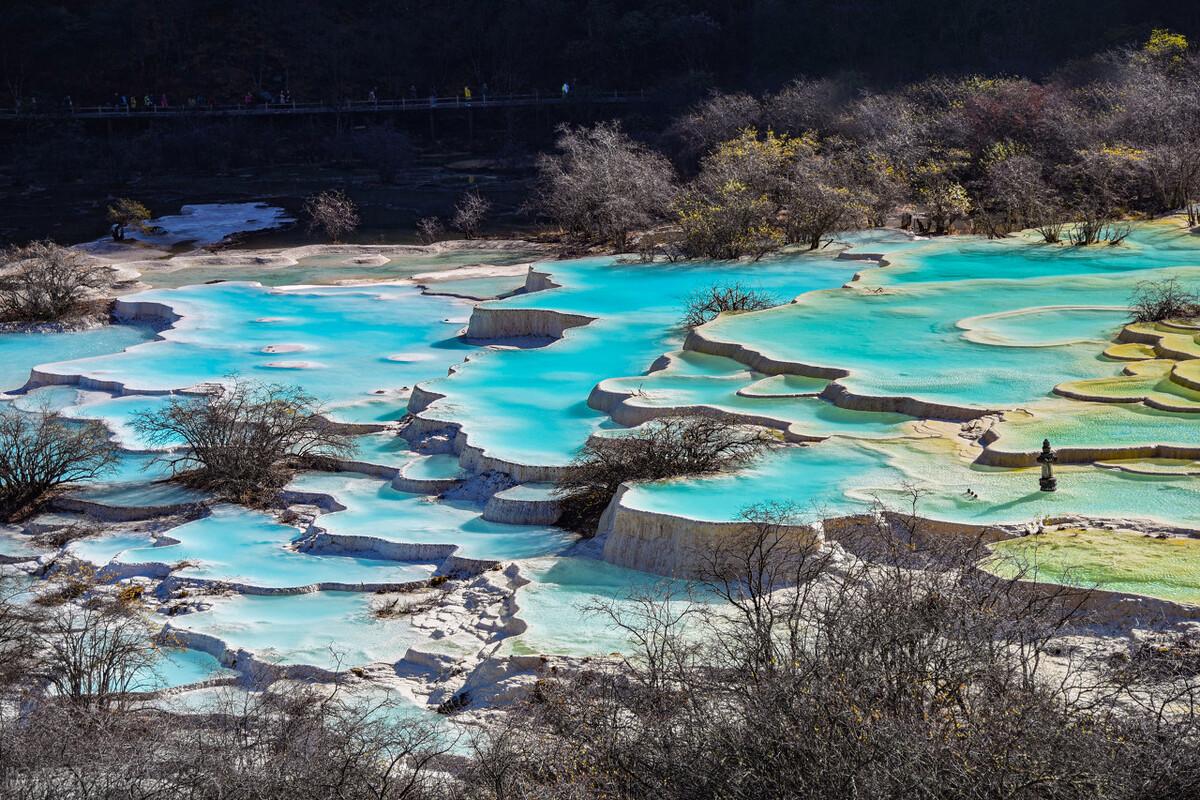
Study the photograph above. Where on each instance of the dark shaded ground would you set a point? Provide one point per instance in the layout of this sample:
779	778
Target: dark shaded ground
74	212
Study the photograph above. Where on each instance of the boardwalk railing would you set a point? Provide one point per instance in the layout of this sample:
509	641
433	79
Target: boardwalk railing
349	106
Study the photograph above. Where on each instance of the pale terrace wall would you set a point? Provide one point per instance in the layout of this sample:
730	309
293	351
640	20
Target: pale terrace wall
665	544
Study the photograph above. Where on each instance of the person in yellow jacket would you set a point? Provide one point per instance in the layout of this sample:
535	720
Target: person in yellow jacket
467	93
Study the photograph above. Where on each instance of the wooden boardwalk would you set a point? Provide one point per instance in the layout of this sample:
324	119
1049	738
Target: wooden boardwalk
431	104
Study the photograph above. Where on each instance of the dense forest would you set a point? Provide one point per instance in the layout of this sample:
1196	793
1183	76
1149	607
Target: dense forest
328	49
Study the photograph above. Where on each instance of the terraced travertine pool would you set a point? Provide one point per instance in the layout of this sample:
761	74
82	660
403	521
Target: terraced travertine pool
942	370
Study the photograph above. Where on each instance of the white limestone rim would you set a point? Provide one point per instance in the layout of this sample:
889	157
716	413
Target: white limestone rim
170	318
111	512
619	515
522	510
975	328
317	542
504	322
622	407
993	454
165	574
320	541
423	419
1148	470
250	666
429	486
432	283
501	323
245	662
476	459
704	342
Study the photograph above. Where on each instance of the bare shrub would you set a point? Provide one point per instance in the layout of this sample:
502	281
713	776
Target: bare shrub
705	304
470	212
1155	301
430	229
299	742
43	282
126	213
601	185
42	451
665	448
18	645
332	213
95	654
1095	227
815	675
241	440
1050	229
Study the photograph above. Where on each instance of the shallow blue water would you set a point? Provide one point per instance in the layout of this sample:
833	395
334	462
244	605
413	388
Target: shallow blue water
20	352
374	508
529	406
355	348
237	545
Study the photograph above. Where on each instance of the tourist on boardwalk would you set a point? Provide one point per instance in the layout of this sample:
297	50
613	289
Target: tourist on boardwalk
467	93
483	91
566	89
373	98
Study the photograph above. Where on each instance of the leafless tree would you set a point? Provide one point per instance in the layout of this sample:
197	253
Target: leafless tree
95	654
822	201
601	185
1154	301
806	105
43	282
19	620
331	212
429	229
716	119
705	304
470	212
271	742
1016	196
241	439
40	451
665	448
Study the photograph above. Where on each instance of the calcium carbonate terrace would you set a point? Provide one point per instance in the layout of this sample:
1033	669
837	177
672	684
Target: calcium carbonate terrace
942	370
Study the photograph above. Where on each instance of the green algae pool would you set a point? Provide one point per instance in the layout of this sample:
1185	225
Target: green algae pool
1113	560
